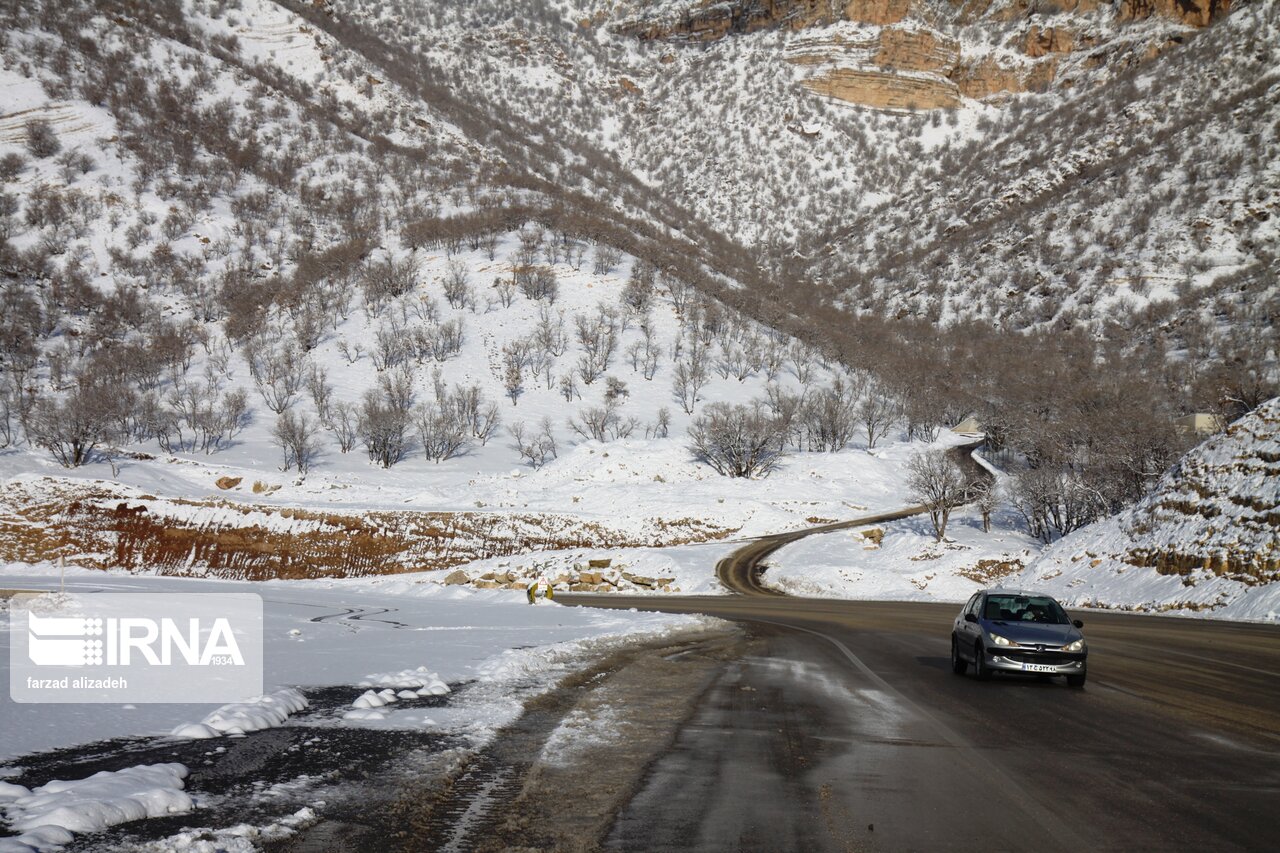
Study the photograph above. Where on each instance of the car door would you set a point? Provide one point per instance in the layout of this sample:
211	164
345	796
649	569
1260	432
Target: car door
964	630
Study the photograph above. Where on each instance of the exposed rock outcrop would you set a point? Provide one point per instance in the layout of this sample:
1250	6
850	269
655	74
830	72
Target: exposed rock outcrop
902	54
885	90
986	78
1041	42
878	11
1193	13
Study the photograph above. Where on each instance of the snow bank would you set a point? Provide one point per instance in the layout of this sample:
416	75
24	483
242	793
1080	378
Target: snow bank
260	712
902	561
1204	542
50	815
424	681
241	838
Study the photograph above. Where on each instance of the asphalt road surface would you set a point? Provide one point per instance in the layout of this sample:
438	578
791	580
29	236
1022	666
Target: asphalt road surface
844	729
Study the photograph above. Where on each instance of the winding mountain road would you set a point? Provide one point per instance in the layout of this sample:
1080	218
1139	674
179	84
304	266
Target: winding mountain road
842	728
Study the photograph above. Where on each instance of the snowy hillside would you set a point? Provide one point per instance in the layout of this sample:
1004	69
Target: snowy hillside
316	272
1206	540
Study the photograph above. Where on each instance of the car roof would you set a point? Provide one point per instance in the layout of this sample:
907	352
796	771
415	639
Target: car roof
999	590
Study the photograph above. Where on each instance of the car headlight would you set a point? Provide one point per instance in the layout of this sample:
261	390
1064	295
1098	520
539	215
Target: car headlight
1001	641
1077	646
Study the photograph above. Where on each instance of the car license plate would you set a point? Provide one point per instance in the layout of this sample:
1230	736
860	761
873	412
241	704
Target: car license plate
1039	667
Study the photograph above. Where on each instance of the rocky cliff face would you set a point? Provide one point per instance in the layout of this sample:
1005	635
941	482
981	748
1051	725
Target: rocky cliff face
913	54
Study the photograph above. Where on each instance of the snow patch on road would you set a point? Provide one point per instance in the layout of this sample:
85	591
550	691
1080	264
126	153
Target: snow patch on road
260	712
50	815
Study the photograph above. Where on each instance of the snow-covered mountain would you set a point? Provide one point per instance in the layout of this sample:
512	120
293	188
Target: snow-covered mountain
1206	539
235	214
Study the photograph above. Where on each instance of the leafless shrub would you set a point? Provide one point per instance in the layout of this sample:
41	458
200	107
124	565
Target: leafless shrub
538	447
321	391
442	430
661	426
42	140
936	481
383	427
538	283
877	414
344	421
737	440
506	290
72	428
690	378
351	352
606	258
1053	502
457	286
295	434
830	416
602	423
568	387
387	279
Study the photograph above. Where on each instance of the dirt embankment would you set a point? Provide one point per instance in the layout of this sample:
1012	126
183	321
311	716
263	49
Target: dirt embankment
101	526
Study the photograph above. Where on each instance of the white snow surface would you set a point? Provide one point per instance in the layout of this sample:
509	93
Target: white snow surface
350	632
1217	507
907	565
261	712
51	814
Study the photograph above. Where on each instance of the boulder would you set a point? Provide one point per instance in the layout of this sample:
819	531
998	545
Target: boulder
456	578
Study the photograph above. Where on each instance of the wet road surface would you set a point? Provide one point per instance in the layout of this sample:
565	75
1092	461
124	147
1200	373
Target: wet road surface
844	729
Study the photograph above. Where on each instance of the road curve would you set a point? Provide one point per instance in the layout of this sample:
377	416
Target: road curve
843	728
740	571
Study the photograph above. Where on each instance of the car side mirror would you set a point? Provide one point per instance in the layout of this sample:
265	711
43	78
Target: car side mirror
1077	623
969	617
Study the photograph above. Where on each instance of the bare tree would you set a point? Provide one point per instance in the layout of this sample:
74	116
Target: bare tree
878	414
937	482
690	379
602	423
605	259
71	429
344	421
42	140
506	289
985	492
296	436
830	416
443	431
538	447
568	387
661	427
383	427
457	285
321	391
737	440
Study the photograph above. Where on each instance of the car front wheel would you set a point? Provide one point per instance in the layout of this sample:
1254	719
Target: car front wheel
958	664
980	670
1076	680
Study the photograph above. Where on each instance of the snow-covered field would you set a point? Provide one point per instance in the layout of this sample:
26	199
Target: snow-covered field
902	561
356	632
1202	544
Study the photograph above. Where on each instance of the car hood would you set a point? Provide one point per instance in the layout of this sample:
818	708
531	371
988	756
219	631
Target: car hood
1033	632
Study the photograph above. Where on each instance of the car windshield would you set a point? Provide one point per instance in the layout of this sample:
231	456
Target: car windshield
1025	608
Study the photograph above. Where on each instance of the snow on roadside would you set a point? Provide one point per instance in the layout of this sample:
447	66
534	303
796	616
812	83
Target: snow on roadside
366	632
901	561
261	712
241	838
50	815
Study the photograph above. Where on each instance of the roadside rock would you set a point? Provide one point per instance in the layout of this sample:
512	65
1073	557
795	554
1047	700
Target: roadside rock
456	578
